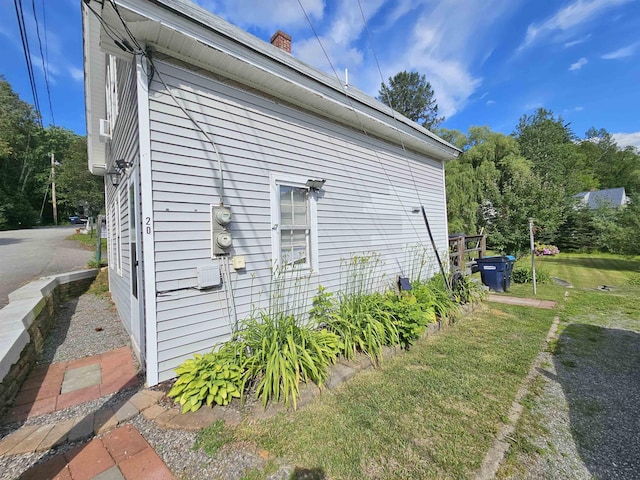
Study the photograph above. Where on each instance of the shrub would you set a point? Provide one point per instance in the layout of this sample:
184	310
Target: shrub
524	275
464	290
281	353
435	294
363	325
542	249
409	317
214	377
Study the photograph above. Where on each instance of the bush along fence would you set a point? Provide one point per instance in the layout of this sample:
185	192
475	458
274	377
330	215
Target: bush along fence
283	345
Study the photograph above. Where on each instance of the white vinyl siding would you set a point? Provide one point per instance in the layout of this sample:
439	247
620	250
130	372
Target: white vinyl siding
123	145
366	204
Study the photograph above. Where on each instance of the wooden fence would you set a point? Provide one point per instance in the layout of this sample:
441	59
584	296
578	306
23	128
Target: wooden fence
464	250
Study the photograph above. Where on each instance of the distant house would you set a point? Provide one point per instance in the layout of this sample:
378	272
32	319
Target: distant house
223	156
610	197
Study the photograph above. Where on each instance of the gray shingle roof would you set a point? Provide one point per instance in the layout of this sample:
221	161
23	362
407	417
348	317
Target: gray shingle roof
614	197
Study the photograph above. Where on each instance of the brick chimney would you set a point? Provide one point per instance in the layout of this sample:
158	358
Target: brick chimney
281	40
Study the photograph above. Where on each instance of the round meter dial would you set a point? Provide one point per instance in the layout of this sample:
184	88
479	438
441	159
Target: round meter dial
223	240
223	216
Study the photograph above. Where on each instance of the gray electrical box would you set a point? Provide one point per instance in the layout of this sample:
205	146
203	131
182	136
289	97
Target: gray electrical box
208	276
220	235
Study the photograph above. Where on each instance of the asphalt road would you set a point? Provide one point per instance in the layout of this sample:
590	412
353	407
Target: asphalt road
26	255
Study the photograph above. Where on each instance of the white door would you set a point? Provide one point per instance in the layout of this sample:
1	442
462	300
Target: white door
137	314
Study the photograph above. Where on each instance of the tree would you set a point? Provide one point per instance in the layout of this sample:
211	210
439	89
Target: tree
76	185
410	94
25	163
20	135
550	145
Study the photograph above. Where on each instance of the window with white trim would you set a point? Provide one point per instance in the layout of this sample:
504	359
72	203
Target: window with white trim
111	86
294	230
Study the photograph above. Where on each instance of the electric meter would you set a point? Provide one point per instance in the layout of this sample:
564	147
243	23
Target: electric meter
223	216
223	240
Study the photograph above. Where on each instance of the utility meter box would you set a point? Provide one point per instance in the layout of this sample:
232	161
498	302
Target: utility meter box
221	239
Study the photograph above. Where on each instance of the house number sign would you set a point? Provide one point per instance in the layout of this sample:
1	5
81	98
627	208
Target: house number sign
147	223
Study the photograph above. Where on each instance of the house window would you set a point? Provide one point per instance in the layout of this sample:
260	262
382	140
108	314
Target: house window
111	85
294	231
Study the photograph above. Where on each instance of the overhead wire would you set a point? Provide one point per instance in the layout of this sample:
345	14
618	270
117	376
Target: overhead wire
146	53
351	104
364	129
395	120
45	65
27	54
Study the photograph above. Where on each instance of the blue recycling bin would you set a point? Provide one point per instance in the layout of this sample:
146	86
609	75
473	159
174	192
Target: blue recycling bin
496	272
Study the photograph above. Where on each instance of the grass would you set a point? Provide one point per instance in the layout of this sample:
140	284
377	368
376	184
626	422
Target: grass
433	411
100	286
429	413
596	346
588	270
88	242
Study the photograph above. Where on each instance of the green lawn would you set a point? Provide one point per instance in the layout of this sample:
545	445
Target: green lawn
433	412
584	270
429	413
595	348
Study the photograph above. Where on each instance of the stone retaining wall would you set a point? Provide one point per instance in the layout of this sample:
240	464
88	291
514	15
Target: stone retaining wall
25	322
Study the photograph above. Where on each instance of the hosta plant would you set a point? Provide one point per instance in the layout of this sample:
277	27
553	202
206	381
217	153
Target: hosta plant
214	377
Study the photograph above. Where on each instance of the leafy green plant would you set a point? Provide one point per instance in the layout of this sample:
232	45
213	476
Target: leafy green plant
282	353
465	290
435	294
214	377
410	318
525	275
363	324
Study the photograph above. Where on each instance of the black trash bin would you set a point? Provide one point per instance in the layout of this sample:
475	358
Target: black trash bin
496	272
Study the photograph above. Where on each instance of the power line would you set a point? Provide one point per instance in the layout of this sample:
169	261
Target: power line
393	112
27	55
364	131
44	66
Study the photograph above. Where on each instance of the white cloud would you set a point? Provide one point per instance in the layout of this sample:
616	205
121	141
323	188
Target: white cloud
76	73
577	41
267	14
445	43
627	139
568	18
490	102
338	41
579	64
623	52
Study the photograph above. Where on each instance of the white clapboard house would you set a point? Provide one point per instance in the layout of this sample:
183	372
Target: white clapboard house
223	156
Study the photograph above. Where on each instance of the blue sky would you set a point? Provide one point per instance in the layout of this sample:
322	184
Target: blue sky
488	61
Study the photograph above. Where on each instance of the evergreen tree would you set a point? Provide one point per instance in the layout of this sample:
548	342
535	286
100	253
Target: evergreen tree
410	94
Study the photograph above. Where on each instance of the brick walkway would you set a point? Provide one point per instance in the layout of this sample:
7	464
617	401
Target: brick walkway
54	387
121	454
524	302
113	452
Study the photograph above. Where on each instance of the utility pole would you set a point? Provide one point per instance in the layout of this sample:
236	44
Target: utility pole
53	188
533	256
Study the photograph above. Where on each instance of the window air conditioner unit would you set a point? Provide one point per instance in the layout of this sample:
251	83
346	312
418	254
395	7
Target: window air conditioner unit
105	130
